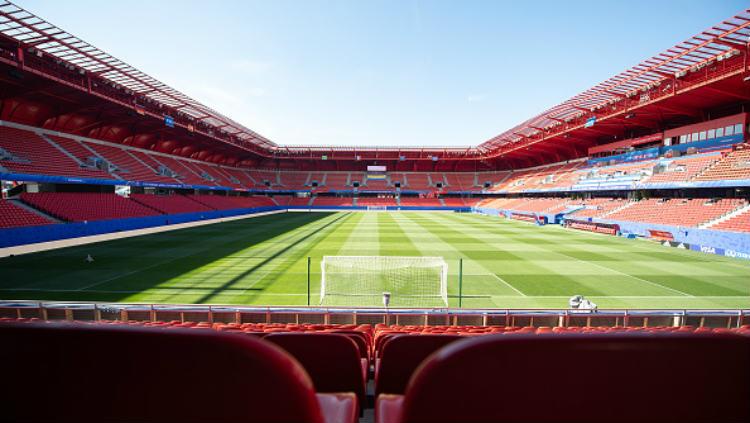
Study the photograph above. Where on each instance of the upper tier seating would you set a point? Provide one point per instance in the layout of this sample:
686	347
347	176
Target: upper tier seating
738	223
170	204
262	176
35	155
102	373
461	181
531	379
683	169
734	165
678	212
129	168
416	182
337	181
241	176
376	185
13	216
295	180
79	207
186	175
420	202
79	151
332	361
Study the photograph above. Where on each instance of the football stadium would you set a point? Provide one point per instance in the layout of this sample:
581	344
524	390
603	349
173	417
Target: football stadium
154	249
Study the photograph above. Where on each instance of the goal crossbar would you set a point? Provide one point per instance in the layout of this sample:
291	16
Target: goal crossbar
410	281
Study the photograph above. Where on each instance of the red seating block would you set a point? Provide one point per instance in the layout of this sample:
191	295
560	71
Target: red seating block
87	373
332	360
614	378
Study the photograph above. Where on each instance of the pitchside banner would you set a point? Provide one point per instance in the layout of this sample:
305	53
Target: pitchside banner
720	251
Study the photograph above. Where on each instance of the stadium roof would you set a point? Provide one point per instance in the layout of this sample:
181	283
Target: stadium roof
33	31
717	43
615	97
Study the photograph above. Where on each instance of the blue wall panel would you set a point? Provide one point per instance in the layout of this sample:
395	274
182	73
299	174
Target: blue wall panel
27	235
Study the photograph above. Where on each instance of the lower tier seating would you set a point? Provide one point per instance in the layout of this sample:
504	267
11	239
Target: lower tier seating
332	201
79	207
170	204
220	202
678	212
420	202
13	216
737	223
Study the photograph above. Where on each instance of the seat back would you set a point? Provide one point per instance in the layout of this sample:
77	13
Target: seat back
93	373
332	360
603	378
401	355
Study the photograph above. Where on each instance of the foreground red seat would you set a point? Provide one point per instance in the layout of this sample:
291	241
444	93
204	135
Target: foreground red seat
401	356
94	373
332	360
603	378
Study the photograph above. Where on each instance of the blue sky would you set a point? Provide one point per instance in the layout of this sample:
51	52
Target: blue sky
402	72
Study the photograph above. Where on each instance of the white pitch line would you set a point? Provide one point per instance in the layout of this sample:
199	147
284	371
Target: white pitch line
627	274
509	285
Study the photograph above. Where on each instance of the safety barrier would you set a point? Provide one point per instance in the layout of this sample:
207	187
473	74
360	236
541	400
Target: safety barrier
82	311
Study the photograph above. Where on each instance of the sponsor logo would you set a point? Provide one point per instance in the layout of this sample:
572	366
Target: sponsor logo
737	254
710	250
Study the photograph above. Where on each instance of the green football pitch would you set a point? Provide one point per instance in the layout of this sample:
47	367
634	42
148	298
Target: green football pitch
263	261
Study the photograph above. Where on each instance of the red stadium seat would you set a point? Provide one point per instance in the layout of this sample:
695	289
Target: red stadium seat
612	378
331	360
400	357
89	373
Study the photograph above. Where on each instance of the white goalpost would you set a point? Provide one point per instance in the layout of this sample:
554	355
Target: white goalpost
364	281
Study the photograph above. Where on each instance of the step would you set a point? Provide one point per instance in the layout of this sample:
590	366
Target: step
62	150
726	217
623	207
27	207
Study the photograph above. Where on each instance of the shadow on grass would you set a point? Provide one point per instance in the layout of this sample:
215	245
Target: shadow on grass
127	266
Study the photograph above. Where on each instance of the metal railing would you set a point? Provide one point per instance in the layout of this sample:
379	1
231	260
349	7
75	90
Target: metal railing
91	312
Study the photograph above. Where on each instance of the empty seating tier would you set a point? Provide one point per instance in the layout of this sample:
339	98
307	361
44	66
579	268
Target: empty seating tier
32	154
170	204
79	207
13	216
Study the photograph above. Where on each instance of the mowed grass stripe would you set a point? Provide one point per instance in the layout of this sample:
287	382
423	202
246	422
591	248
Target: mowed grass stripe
683	271
264	261
613	282
478	276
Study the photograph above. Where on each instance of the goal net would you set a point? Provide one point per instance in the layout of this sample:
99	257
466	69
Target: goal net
363	280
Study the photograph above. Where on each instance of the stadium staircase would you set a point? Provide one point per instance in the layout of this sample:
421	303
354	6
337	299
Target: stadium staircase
719	223
62	150
617	209
18	203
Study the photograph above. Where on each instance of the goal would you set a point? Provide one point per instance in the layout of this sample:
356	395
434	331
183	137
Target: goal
362	281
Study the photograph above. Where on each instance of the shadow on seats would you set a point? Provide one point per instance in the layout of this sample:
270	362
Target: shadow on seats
400	357
617	378
91	373
332	360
